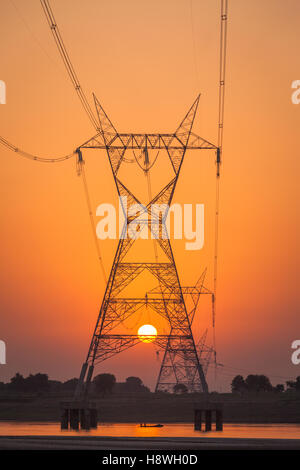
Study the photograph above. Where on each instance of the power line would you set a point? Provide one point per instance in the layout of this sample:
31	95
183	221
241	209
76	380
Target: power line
222	75
81	172
72	74
194	42
86	106
251	372
74	79
222	70
67	62
30	31
34	157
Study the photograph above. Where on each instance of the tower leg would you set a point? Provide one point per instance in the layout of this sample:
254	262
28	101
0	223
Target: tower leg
79	387
88	380
186	370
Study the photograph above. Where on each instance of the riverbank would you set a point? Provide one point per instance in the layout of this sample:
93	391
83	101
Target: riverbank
261	408
135	443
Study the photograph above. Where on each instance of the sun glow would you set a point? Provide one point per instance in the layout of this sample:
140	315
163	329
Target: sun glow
147	333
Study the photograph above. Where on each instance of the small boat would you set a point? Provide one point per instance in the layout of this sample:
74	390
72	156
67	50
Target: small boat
145	425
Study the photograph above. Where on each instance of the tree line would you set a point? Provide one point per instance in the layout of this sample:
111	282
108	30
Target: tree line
105	384
261	383
102	384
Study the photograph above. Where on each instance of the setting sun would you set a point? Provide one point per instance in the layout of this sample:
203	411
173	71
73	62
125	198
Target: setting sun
147	333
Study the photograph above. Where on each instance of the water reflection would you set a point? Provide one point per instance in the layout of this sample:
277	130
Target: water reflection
275	431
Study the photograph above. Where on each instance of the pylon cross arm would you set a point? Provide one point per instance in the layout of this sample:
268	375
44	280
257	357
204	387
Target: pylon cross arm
137	142
110	345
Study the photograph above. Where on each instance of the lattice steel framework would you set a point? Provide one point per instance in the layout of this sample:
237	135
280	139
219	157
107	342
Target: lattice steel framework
180	363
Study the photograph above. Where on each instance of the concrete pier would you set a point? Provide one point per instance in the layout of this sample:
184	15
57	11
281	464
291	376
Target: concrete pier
64	419
198	420
93	418
74	418
208	411
208	418
85	422
79	415
219	420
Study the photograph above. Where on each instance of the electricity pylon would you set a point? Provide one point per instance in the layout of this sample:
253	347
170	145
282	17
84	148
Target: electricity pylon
180	363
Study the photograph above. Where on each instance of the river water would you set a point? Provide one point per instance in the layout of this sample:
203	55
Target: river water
266	431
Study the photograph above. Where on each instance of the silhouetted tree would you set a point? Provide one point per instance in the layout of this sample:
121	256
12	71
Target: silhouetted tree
104	383
180	388
238	384
55	386
294	385
279	388
17	382
70	384
32	383
37	383
258	383
133	383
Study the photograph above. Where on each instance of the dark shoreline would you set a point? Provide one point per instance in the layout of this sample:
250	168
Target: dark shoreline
136	443
152	421
151	408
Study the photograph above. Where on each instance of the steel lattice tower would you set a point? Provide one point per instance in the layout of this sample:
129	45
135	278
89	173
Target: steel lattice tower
180	363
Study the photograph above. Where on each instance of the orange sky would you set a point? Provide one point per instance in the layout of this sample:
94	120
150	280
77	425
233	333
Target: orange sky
146	68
